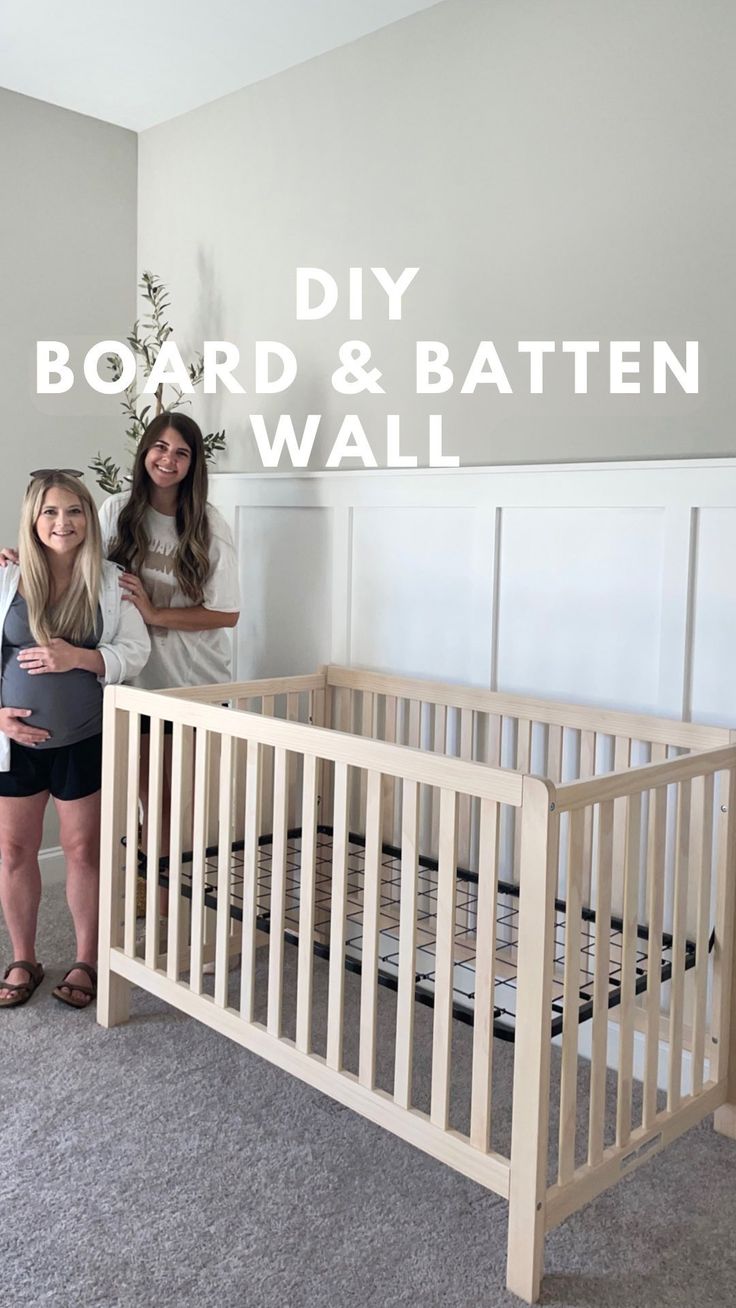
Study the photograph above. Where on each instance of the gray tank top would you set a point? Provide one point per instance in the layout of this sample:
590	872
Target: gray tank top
68	704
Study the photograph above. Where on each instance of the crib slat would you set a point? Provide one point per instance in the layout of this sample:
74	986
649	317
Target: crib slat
493	739
239	703
367	719
337	918
199	844
523	745
415	711
701	859
621	763
628	970
554	752
465	801
655	909
720	1053
343	706
571	1000
265	816
131	832
371	902
324	769
250	880
295	771
485	966
389	783
521	764
440	729
585	771
407	944
278	893
316	707
306	906
224	868
600	983
442	1026
153	850
367	728
438	746
178	781
679	909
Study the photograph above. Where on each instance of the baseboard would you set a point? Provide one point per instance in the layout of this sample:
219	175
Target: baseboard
51	863
612	1056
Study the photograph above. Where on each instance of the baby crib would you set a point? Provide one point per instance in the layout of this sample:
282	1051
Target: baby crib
556	876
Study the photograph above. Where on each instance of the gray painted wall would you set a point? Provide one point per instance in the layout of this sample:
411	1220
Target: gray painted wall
68	251
556	170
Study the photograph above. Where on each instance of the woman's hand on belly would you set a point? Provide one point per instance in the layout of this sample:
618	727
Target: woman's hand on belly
57	656
11	722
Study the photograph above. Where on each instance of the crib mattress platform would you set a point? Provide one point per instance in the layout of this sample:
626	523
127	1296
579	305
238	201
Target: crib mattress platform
593	935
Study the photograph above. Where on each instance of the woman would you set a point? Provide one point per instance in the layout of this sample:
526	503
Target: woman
180	573
180	570
65	633
178	555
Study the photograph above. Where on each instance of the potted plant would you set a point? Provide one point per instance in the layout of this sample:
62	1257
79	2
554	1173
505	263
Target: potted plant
146	338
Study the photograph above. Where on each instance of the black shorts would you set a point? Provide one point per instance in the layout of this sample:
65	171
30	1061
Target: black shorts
68	772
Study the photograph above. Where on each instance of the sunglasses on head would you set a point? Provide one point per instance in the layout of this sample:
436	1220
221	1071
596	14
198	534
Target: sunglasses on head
48	472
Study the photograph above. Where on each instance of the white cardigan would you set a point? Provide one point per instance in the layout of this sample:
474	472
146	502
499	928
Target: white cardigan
124	643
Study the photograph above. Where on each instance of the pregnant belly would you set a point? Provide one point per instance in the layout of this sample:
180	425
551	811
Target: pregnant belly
68	704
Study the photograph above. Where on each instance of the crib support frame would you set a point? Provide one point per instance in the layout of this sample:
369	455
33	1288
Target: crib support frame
535	1205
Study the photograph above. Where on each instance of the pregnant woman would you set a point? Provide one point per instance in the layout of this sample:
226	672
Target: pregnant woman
65	633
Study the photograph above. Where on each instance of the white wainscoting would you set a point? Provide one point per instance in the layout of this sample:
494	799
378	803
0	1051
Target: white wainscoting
607	583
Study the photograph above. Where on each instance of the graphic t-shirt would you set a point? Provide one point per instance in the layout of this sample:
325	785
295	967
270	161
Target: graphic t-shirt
182	658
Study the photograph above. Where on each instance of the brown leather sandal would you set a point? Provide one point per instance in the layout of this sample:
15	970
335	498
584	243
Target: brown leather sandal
22	990
68	986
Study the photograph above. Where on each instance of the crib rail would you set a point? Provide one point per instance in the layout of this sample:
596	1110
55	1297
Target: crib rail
677	1033
344	1040
611	722
563	742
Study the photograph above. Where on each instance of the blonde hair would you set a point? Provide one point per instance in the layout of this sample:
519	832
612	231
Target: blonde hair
74	617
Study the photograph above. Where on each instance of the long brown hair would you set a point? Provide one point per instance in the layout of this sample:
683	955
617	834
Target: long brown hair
73	618
192	560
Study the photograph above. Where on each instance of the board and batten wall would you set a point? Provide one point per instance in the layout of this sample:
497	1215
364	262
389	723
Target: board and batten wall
556	171
608	584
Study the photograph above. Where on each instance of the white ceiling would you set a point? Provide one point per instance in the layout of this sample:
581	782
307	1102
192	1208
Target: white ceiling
141	62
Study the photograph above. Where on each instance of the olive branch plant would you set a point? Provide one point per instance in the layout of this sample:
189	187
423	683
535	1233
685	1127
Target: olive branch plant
145	340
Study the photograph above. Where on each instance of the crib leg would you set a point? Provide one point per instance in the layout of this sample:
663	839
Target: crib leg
113	999
725	963
724	1120
530	1120
525	1255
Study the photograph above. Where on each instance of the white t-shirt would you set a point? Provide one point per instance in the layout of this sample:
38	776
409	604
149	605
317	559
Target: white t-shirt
182	658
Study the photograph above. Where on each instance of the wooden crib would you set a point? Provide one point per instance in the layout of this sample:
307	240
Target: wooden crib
375	847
